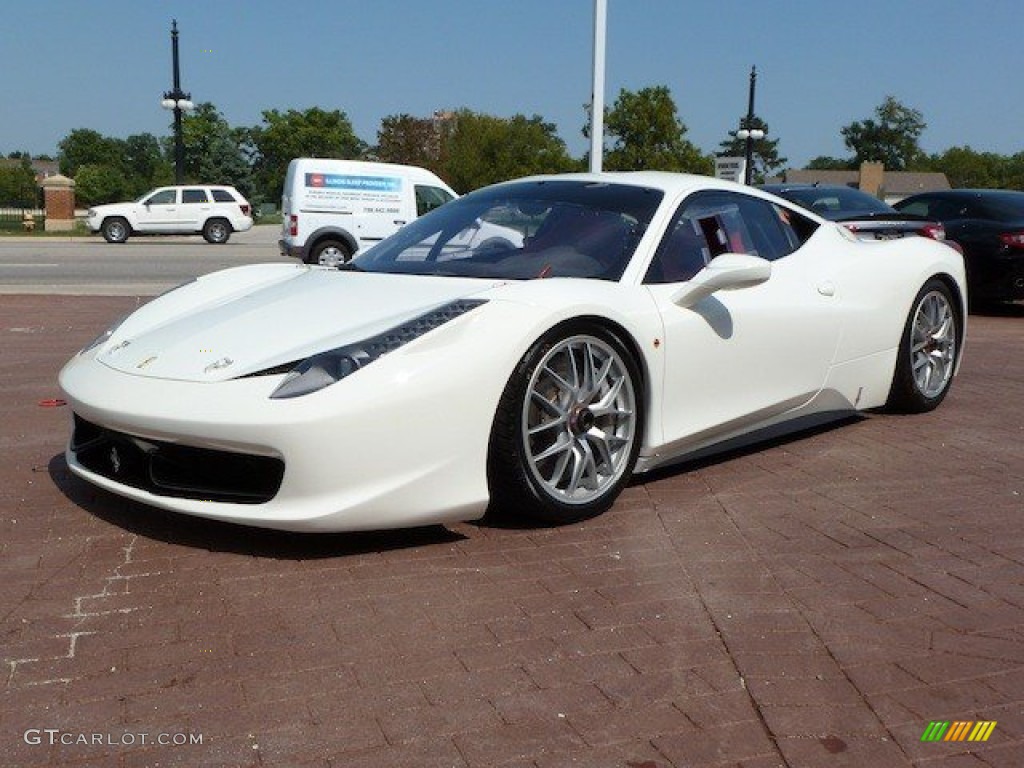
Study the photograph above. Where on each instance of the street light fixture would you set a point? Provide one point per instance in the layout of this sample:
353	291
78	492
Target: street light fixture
177	101
748	134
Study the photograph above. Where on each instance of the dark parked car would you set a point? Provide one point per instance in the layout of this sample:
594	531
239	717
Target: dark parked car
989	226
863	214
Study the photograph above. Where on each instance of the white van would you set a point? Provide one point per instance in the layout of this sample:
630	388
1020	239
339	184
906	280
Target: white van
334	208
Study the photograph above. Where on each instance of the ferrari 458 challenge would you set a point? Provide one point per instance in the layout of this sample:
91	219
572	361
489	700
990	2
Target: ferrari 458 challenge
628	321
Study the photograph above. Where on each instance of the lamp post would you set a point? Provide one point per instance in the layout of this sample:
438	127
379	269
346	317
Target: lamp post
748	134
178	102
597	92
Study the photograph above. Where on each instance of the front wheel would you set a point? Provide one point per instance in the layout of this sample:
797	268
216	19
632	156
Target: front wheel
115	230
927	352
216	231
568	427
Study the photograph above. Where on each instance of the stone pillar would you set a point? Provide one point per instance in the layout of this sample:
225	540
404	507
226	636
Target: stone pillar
872	178
59	194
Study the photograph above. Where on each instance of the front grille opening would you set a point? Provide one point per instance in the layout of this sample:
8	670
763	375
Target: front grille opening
180	471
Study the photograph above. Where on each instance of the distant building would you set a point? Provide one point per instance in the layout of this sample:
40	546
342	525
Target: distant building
890	186
43	169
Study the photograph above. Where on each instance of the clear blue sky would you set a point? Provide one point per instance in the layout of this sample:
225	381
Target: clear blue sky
104	64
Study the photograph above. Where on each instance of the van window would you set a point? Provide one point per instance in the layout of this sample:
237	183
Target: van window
429	198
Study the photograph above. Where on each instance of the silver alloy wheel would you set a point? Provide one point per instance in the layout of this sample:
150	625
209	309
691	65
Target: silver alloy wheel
579	420
331	256
217	231
933	344
116	230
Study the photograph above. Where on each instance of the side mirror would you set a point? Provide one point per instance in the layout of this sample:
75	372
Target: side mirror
726	272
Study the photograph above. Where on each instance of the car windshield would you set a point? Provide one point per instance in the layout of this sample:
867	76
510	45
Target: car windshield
523	230
836	202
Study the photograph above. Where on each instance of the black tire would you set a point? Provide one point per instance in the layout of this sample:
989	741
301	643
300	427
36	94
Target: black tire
115	229
217	231
569	460
928	350
329	253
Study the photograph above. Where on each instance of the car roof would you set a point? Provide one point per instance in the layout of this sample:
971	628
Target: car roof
822	187
963	194
671	183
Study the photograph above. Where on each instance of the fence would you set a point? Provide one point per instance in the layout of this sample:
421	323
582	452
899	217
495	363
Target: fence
13	219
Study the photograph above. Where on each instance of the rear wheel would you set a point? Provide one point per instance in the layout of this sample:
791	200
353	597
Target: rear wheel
115	230
216	231
330	253
568	427
928	351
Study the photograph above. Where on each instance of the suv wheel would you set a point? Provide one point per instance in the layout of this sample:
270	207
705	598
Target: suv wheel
216	231
115	230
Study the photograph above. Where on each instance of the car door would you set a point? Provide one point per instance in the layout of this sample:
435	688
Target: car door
194	209
738	358
158	212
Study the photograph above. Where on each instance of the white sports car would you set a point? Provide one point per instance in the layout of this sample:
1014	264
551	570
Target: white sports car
641	318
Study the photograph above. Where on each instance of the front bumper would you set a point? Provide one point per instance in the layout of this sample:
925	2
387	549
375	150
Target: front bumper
371	452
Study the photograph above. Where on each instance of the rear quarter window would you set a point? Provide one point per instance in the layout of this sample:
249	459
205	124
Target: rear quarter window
223	196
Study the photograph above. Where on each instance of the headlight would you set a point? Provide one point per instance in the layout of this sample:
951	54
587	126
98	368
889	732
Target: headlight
103	337
326	368
90	213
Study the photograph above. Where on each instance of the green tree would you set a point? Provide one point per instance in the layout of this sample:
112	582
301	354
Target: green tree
1013	177
144	164
826	163
116	168
412	141
484	149
964	167
310	133
890	138
100	183
214	151
648	135
84	146
18	185
765	152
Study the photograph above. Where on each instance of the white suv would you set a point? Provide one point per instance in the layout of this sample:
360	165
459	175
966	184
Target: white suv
213	211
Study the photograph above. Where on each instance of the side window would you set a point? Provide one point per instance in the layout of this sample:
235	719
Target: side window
429	198
683	251
222	196
163	197
768	238
797	229
917	208
193	196
713	223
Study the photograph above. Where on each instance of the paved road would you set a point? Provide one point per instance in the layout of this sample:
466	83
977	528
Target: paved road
817	602
143	266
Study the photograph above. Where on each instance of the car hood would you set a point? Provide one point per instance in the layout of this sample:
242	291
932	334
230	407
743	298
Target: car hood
216	328
108	208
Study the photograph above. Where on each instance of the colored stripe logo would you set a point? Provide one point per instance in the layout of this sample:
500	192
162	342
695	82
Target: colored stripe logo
958	730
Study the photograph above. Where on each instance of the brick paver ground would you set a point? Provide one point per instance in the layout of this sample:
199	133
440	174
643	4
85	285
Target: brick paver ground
816	602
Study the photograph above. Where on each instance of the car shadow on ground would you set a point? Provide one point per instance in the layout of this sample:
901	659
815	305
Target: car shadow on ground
213	535
757	442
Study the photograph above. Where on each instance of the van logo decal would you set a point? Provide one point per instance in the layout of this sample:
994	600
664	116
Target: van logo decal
348	181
